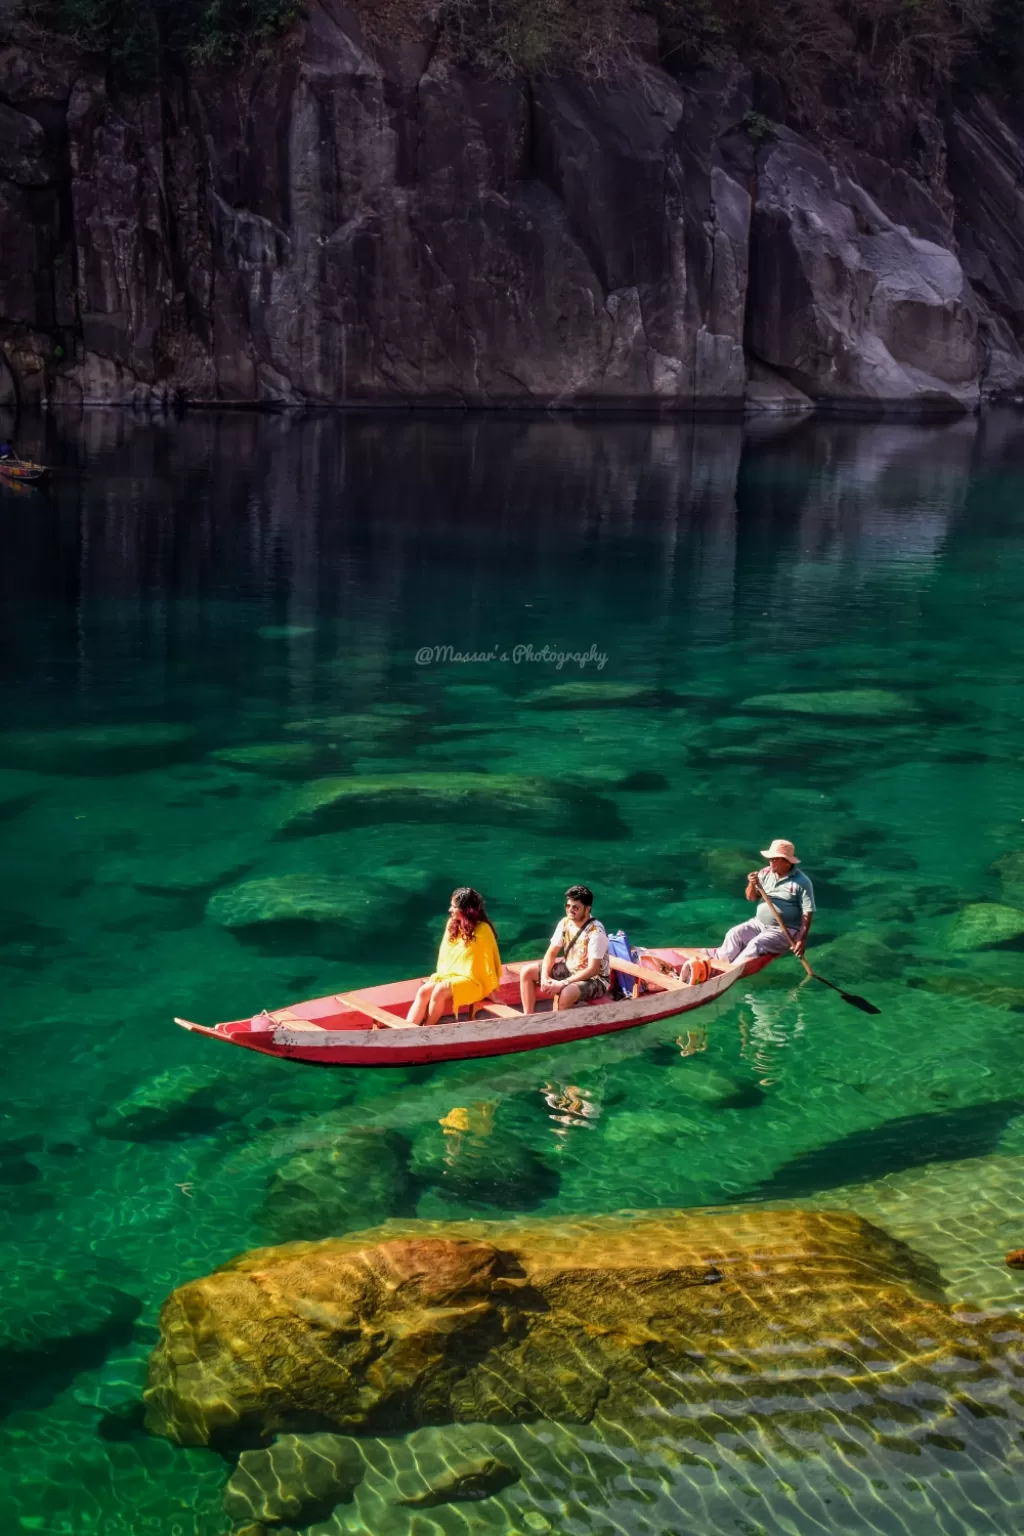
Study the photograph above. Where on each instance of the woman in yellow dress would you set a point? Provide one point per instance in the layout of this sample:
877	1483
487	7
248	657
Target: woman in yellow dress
468	963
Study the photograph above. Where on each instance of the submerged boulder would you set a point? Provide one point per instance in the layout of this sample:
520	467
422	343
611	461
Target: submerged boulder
862	954
17	791
299	1479
601	695
479	1164
478	1321
493	799
985	923
277	759
1009	870
327	1191
460	1481
360	732
100	749
56	1322
962	1212
727	868
174	1104
973	988
182	874
839	704
296	898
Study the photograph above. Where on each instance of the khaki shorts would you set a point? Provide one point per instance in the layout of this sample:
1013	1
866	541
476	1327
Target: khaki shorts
594	986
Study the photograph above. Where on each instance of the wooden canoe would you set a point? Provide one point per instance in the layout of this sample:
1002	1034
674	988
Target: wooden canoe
368	1029
22	469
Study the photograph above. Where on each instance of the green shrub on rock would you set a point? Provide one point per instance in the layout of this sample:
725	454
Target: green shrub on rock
136	36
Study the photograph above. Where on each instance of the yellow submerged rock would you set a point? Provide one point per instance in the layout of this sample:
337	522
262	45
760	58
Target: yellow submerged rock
483	1321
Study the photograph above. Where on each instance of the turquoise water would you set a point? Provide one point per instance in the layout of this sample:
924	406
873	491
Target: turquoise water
805	631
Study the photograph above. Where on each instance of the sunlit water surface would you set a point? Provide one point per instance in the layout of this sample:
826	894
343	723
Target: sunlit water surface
201	617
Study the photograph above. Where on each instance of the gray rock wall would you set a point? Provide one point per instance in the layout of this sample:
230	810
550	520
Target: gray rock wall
349	223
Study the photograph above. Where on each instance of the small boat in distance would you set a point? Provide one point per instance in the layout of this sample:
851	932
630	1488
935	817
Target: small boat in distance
23	470
368	1029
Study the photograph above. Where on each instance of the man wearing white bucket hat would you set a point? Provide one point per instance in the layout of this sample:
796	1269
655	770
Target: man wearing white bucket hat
792	896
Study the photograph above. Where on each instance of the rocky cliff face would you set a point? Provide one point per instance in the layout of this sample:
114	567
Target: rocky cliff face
355	222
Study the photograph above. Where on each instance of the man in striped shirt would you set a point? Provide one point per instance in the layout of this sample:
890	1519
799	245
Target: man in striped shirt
792	895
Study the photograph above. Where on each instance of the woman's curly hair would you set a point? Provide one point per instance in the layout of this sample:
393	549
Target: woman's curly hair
470	911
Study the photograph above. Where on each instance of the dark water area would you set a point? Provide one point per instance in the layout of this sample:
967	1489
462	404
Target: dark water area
687	638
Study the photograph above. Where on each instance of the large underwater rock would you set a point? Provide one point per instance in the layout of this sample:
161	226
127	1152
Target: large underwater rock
496	799
176	1103
985	923
964	1214
57	1322
333	1484
268	900
300	1478
276	759
98	749
840	704
478	1166
362	1177
17	791
478	1321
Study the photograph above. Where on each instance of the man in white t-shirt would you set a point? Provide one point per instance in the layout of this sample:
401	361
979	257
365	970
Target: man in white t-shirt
575	968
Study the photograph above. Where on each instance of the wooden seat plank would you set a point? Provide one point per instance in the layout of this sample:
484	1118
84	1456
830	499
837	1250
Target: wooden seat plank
380	1015
644	973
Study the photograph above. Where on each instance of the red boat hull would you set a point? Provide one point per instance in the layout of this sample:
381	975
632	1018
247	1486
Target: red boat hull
22	471
331	1032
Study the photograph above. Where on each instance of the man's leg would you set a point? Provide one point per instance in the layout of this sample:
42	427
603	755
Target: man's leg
528	979
567	998
770	941
737	939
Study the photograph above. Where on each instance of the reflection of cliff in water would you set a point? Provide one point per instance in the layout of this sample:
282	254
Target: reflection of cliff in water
838	499
535	530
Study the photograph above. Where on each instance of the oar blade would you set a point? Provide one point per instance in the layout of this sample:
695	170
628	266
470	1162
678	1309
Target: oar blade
848	997
858	1002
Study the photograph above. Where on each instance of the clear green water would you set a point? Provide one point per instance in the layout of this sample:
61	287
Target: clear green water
187	592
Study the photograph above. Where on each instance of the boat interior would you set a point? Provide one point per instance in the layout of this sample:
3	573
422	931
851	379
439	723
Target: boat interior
385	1007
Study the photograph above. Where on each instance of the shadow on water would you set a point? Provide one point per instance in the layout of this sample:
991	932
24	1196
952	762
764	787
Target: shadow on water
908	1142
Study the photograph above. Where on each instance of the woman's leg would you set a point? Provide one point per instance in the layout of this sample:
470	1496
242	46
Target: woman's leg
420	1003
440	1002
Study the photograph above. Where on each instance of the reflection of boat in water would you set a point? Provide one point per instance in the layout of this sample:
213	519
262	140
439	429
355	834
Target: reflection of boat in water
22	471
471	1082
367	1028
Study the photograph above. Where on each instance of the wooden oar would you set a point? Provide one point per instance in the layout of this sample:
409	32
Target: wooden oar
847	997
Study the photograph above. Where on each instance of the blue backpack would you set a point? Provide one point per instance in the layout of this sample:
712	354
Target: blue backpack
619	948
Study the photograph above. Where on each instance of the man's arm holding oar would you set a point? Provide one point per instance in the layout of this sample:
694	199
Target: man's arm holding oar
798	943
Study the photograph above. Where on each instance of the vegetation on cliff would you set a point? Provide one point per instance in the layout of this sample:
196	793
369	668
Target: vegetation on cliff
903	45
136	36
